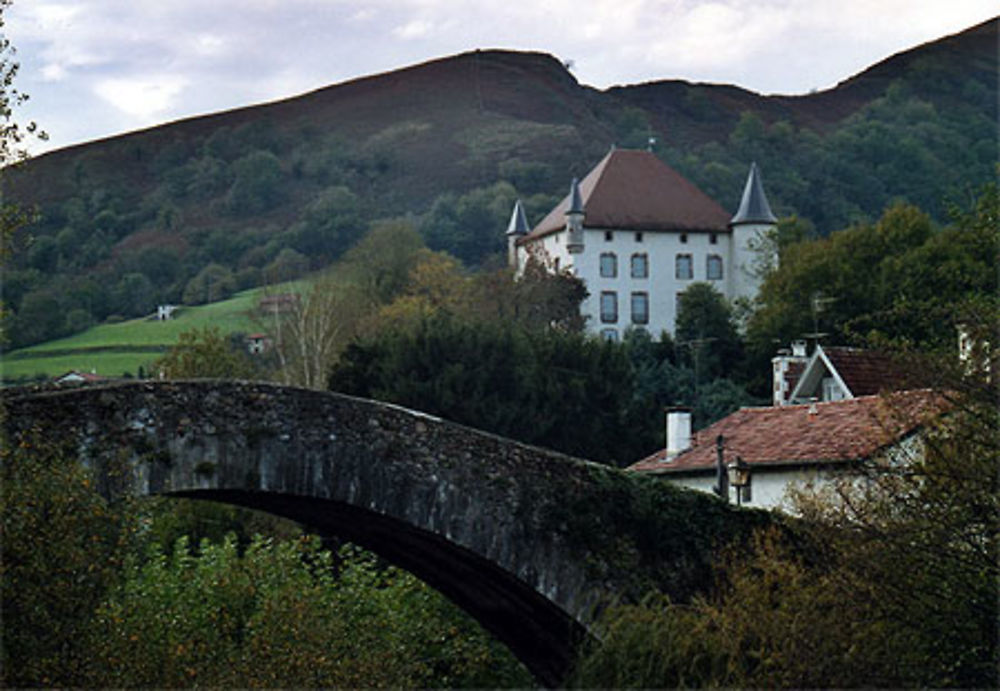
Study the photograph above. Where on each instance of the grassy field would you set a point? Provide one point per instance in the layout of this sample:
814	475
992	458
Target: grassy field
115	349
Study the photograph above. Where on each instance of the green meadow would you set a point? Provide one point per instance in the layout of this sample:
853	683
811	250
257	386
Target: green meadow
113	350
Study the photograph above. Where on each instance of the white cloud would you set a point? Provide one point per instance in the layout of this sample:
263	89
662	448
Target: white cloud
418	28
143	98
53	72
208	45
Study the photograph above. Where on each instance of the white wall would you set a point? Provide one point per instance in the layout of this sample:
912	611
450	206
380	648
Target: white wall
768	487
662	286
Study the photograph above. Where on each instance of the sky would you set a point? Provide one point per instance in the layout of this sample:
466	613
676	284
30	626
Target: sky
98	68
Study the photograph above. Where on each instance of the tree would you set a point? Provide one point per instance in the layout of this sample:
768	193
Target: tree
330	224
62	548
705	333
257	186
316	328
13	137
212	284
556	389
381	261
285	614
204	353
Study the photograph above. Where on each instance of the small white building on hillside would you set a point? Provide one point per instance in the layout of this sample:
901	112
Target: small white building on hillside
638	234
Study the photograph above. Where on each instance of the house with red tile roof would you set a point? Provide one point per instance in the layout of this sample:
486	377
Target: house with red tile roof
779	446
638	234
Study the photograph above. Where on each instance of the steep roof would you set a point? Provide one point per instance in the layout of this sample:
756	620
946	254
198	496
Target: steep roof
753	205
863	372
518	221
635	190
821	433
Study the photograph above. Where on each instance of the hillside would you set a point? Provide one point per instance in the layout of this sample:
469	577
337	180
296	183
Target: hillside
274	190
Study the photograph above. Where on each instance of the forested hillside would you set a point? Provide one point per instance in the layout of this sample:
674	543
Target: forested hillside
195	210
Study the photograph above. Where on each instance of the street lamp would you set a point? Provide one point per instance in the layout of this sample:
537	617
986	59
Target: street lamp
739	477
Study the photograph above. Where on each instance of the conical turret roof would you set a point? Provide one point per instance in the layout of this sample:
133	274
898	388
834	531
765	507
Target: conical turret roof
753	206
518	221
576	199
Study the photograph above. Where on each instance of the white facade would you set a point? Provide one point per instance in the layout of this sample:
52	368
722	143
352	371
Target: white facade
769	488
672	262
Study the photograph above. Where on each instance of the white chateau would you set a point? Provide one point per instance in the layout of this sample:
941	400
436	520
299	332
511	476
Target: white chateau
638	234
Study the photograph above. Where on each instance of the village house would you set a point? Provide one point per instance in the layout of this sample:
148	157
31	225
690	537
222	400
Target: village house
832	410
638	234
756	454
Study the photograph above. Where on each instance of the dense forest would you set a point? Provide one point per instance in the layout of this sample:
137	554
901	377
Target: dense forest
192	211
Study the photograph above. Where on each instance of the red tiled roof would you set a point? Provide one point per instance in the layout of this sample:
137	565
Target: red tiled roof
837	431
865	372
636	190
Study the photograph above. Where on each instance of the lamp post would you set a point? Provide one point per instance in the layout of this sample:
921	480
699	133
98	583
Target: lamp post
721	487
739	477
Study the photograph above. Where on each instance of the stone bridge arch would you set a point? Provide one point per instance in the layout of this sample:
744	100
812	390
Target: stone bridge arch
527	541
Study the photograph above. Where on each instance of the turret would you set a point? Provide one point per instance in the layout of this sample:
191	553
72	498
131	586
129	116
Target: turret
574	219
516	229
750	226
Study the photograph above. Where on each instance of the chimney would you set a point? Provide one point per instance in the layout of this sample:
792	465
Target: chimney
678	431
785	370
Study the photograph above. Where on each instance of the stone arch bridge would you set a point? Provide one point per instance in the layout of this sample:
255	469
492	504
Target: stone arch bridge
527	541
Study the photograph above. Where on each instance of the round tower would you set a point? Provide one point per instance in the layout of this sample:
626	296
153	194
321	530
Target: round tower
749	229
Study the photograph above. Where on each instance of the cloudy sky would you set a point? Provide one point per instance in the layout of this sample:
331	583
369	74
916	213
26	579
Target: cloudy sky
96	68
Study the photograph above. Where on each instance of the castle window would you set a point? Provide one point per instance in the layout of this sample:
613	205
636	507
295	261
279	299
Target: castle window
640	266
609	335
713	239
640	308
609	307
609	265
608	236
684	269
684	238
638	237
713	267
